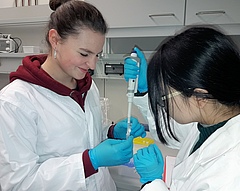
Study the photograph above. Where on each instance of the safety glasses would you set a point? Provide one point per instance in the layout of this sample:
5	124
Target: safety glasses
176	93
169	96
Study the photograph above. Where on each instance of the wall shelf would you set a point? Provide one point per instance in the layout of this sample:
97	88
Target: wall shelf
15	55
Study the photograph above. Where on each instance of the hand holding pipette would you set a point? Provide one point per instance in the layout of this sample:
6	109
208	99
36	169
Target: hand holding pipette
120	129
135	73
132	71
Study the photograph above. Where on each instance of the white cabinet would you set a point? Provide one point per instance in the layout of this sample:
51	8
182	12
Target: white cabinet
141	13
213	12
144	18
129	18
21	16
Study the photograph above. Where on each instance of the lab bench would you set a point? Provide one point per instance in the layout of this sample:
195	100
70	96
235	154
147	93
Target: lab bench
124	183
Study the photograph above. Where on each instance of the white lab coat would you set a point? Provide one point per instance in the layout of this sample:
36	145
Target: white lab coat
42	137
214	166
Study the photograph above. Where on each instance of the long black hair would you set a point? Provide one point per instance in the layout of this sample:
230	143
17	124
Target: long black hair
198	57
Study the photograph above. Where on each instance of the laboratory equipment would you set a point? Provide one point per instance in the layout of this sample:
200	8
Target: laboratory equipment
132	88
7	44
114	68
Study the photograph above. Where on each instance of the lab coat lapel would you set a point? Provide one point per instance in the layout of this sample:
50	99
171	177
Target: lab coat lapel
216	145
93	116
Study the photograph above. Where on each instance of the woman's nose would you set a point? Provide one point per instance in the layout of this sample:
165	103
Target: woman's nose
92	62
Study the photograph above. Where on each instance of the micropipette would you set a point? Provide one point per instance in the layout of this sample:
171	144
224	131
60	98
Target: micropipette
132	88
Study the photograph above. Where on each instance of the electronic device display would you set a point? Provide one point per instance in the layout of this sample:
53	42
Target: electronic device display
114	69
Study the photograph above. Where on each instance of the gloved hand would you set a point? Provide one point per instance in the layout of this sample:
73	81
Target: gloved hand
149	163
111	152
120	129
131	70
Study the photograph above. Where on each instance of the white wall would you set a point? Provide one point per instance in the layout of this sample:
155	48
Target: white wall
11	3
4	79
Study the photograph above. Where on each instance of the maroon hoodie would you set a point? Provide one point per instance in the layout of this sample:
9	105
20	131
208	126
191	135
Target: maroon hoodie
30	71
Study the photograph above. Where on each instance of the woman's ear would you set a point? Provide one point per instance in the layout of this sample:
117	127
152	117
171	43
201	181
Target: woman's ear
53	38
200	101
